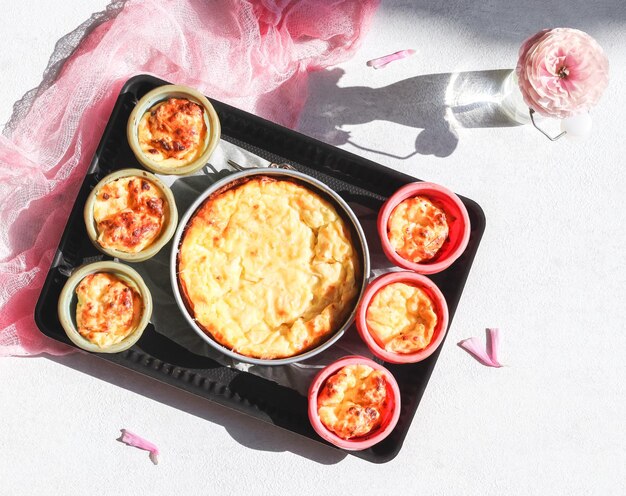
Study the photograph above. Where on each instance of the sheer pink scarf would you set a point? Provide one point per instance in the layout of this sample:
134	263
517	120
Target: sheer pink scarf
252	54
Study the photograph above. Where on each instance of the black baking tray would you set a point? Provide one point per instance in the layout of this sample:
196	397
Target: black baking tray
356	179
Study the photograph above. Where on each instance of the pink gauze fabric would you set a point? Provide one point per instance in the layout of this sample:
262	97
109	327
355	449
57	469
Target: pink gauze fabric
255	55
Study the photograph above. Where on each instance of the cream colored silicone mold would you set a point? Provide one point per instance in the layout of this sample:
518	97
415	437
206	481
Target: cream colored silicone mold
158	95
167	230
68	302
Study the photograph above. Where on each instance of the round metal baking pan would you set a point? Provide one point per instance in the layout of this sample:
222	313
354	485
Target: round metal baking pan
234	180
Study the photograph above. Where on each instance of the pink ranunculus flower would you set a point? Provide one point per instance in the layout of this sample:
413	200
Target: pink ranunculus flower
562	72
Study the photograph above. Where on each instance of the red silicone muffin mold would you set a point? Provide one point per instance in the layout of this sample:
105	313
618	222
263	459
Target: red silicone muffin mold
440	307
390	419
458	222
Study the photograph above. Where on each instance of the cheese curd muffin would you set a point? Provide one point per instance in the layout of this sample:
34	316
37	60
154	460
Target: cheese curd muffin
108	309
129	214
268	269
353	401
402	318
173	132
417	229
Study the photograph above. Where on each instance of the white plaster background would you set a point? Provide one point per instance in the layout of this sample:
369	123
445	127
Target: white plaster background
550	272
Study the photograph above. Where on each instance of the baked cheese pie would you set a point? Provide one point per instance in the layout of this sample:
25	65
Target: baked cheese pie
268	268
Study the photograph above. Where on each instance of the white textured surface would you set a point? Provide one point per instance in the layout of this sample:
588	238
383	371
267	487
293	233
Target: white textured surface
551	272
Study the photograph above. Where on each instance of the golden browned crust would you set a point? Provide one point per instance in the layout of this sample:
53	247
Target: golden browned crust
108	309
401	318
353	401
417	229
268	268
173	132
129	214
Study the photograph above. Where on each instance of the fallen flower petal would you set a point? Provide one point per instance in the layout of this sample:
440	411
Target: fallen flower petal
493	344
138	442
477	350
381	62
488	356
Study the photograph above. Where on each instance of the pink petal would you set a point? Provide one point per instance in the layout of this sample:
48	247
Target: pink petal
489	355
138	442
476	348
383	61
493	345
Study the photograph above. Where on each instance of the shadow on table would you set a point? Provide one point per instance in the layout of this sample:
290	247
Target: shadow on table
249	432
501	22
434	104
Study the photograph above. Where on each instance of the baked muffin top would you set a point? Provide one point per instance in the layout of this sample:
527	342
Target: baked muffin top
417	229
129	213
402	318
353	400
173	132
108	308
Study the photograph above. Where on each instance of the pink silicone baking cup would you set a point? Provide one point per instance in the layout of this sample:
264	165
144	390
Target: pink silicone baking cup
458	223
440	307
389	421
